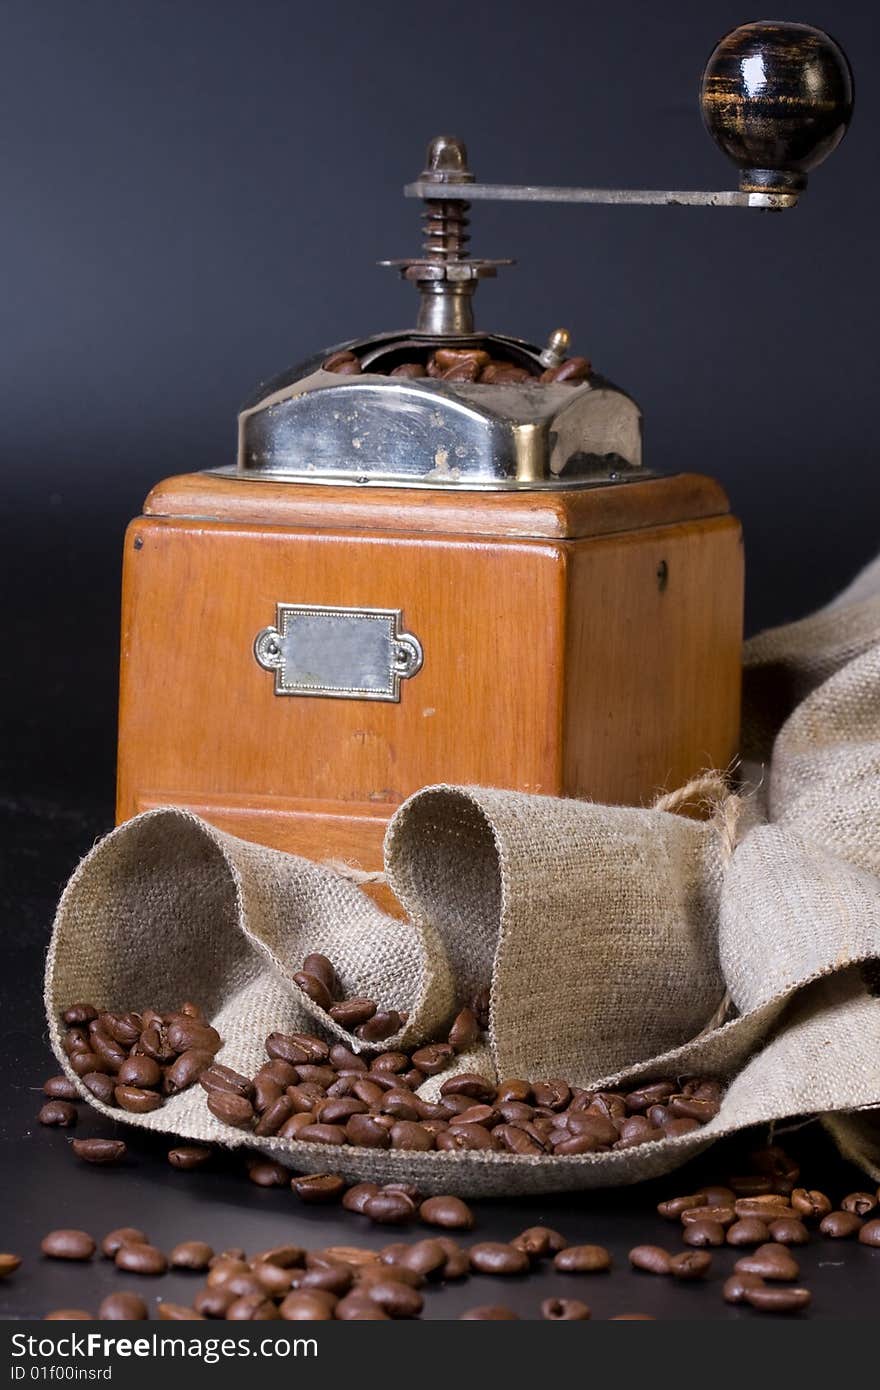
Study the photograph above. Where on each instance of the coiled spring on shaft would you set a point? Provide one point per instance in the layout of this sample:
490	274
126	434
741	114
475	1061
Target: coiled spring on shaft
446	230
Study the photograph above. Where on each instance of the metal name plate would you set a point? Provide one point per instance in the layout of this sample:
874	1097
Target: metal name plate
344	653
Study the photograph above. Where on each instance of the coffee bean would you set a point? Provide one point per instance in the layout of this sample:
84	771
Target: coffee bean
652	1259
274	1116
274	1281
356	1197
538	1242
468	1084
141	1259
285	1256
460	1137
771	1261
723	1216
839	1225
489	1312
424	1258
704	1233
218	1078
101	1151
193	1035
316	1074
673	1208
367	1131
564	1310
769	1208
635	1130
434	1058
139	1071
101	1086
644	1096
86	1062
79	1014
789	1231
186	1070
735	1286
252	1307
231	1108
318	1187
321	969
582	1259
408	369
574	370
137	1100
315	989
266	1091
692	1108
465	1030
343	363
351	1013
497	1257
60	1088
770	1298
324	1134
191	1254
859	1203
515	1139
265	1173
309	1305
122	1307
178	1312
750	1230
58	1113
189	1156
870	1233
411	1136
513	1090
751	1185
389	1062
399	1103
383	1024
775	1162
9	1263
396	1299
390	1208
292	1128
690	1264
122	1235
810	1204
68	1244
315	1048
554	1095
212	1303
450	1213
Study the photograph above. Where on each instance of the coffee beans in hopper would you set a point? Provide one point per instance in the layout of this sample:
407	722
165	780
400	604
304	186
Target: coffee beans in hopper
466	364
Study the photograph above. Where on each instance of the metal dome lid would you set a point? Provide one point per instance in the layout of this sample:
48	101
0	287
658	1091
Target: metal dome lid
443	405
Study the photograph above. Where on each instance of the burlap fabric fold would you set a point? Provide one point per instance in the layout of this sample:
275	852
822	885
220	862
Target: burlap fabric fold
609	934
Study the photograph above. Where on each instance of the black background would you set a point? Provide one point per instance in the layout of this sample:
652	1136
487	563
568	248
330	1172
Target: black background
194	193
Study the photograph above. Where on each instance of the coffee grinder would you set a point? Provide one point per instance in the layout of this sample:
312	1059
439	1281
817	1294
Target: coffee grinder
440	555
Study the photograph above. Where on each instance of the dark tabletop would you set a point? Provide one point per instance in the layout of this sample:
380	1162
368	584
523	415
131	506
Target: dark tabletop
44	1186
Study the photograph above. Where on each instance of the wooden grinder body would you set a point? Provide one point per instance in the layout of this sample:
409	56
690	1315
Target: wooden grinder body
581	643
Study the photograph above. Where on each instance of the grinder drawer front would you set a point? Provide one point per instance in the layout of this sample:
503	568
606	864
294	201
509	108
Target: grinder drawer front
454	642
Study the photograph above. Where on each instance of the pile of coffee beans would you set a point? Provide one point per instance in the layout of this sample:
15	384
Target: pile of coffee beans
326	1093
763	1212
363	1017
341	1282
130	1060
466	365
758	1215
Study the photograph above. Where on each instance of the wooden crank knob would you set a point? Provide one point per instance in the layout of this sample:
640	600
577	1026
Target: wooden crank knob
777	98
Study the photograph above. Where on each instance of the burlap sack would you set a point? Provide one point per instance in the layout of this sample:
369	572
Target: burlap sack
609	934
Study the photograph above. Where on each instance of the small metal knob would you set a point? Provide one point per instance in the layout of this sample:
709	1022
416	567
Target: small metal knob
777	98
557	347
